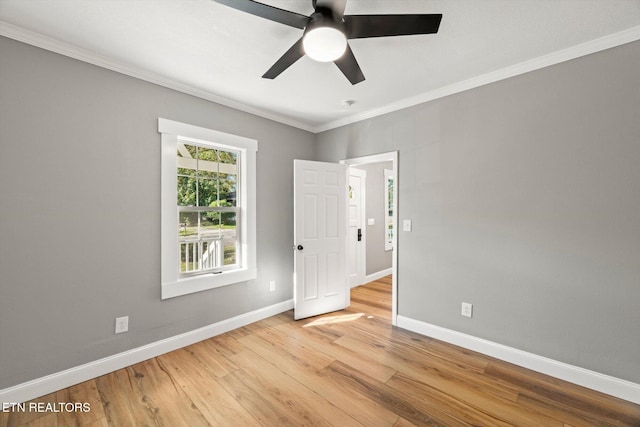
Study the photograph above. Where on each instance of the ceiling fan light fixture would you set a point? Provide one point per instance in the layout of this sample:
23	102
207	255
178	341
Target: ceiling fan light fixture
324	44
327	29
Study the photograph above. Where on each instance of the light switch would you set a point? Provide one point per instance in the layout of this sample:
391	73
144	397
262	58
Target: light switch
406	225
371	221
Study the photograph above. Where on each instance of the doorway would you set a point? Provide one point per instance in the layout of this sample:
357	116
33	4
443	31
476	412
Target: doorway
388	223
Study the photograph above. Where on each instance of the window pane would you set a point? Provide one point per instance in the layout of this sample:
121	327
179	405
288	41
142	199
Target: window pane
188	241
228	189
228	177
192	150
230	251
186	160
187	224
209	224
186	175
208	192
230	234
186	150
229	221
212	254
187	192
207	162
228	157
188	255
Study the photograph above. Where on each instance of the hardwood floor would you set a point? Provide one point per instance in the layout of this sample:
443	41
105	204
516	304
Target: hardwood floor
349	368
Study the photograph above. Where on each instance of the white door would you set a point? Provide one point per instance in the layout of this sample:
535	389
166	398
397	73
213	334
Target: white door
356	239
320	229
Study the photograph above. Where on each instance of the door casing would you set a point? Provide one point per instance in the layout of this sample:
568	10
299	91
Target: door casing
377	158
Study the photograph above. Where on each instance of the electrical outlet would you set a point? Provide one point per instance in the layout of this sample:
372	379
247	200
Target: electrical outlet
122	324
467	309
272	286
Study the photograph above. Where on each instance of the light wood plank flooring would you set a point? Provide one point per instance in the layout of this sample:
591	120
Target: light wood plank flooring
349	368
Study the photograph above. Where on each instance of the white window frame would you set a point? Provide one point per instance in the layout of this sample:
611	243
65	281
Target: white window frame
173	283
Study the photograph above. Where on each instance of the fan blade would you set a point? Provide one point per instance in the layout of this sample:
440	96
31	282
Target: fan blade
349	66
337	6
364	26
294	53
268	12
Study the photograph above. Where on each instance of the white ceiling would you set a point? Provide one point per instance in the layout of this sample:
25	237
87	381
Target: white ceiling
218	53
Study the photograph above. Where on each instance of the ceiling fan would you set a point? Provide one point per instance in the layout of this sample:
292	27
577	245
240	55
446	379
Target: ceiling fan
327	30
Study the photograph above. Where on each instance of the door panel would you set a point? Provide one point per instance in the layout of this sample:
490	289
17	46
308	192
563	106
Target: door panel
311	217
310	277
320	280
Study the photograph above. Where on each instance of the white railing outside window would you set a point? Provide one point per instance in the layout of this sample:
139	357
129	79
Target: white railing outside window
200	254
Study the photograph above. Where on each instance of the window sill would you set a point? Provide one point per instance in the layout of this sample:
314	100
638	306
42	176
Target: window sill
189	285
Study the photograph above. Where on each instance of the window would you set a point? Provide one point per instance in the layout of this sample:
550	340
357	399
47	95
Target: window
208	208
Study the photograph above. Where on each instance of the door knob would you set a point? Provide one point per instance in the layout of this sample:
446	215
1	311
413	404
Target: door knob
300	247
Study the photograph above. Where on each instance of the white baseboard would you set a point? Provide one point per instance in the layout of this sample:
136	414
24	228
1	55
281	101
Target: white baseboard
378	275
50	383
594	380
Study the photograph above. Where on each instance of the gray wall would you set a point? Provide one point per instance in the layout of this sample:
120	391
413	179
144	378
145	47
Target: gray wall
524	196
525	201
80	220
377	258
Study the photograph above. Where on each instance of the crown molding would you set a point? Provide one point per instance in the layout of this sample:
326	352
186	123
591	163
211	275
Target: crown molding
72	51
39	40
587	48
